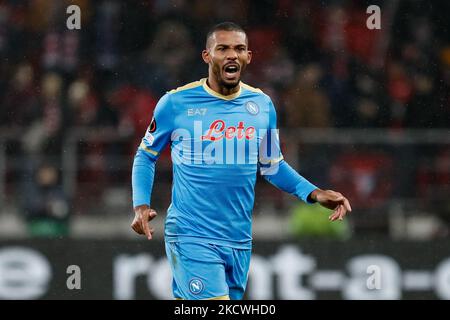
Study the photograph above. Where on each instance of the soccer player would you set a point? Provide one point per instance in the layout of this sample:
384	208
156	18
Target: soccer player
221	132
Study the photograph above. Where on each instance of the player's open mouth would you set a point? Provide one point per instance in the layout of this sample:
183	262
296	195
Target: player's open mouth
231	70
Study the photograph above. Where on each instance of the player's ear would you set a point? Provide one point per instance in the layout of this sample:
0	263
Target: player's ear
206	57
249	56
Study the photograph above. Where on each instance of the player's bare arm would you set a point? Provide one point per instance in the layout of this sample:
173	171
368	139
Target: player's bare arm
142	215
334	201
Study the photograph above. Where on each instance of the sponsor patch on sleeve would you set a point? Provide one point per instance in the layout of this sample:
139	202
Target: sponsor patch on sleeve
148	135
152	126
149	138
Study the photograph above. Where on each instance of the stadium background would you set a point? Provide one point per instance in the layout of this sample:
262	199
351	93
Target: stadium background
365	112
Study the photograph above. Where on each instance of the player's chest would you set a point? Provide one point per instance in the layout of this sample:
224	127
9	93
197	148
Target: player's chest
241	121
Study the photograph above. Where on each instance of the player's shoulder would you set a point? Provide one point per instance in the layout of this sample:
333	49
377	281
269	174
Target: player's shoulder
252	89
176	99
256	92
187	87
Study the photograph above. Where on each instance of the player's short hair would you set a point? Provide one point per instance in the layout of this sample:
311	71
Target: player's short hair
225	26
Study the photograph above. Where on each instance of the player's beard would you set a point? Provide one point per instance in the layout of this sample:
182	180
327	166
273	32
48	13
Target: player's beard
222	81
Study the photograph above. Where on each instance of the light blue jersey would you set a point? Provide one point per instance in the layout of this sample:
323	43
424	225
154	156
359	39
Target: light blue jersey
217	145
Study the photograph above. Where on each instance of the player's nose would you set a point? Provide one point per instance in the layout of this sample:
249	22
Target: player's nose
231	55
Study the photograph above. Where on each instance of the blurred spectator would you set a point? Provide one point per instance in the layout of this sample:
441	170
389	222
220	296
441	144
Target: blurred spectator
107	24
61	50
83	104
20	105
433	176
368	113
135	108
422	111
367	176
371	106
263	40
169	60
444	90
400	90
47	207
306	103
298	29
332	32
279	70
4	13
45	135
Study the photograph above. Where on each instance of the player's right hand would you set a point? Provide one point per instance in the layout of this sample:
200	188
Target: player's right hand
142	215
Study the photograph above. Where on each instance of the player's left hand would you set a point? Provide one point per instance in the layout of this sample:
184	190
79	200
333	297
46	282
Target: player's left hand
142	215
332	200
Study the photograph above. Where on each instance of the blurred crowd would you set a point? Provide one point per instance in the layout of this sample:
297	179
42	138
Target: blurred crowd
318	61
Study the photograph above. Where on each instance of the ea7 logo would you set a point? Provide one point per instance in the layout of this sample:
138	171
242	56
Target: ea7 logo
196	112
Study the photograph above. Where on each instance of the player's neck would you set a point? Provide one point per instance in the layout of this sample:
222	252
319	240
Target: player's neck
214	85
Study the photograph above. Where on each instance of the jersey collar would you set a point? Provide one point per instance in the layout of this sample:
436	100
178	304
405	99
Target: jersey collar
218	95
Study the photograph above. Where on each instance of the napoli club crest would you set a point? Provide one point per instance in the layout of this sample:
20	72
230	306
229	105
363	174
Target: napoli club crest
196	286
252	107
